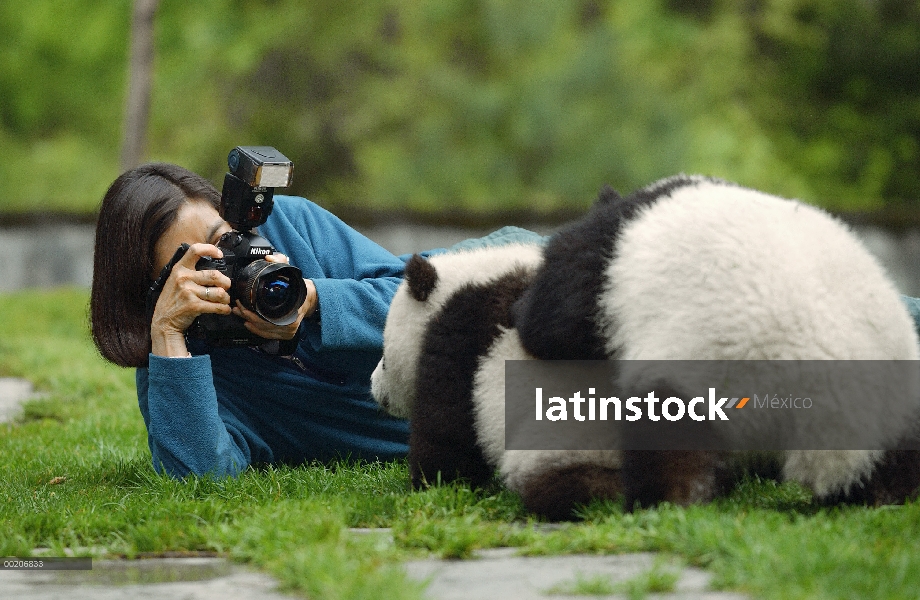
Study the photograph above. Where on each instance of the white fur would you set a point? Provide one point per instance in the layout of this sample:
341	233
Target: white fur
719	272
393	381
517	467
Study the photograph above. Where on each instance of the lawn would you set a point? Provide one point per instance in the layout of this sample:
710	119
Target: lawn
75	473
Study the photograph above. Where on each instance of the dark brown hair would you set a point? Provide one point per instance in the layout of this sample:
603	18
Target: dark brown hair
137	209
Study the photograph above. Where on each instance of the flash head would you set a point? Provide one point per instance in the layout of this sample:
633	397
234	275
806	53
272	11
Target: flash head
261	166
255	172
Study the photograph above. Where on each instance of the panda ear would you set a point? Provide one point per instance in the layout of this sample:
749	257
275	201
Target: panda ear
608	195
421	277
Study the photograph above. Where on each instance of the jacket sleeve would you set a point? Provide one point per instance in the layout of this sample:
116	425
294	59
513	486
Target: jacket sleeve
355	278
186	431
913	307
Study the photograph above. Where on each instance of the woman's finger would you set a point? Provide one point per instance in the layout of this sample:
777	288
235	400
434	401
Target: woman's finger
263	328
214	293
185	272
277	257
198	251
211	278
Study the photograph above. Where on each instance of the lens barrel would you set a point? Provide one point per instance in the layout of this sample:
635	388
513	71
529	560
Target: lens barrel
274	291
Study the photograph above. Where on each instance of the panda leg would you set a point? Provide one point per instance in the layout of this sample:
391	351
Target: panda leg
433	465
440	453
894	479
555	493
682	477
672	461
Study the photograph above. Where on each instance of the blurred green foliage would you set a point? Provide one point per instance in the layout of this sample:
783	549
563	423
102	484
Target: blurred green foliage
474	105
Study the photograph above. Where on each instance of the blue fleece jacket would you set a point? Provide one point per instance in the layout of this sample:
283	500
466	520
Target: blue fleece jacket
227	408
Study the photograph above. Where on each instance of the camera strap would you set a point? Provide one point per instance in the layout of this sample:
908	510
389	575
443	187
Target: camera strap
153	294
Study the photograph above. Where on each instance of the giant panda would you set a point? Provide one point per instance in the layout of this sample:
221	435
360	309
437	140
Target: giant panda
446	339
692	267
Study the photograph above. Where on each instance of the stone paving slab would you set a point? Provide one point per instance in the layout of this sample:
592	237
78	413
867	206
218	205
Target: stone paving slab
499	574
13	392
494	574
160	579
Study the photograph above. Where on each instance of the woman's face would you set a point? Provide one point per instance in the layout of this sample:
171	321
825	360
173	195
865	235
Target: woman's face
197	222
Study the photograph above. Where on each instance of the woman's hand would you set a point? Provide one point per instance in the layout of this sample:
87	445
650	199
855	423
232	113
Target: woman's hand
187	294
263	328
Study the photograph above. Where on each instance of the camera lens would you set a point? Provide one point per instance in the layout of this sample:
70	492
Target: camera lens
274	291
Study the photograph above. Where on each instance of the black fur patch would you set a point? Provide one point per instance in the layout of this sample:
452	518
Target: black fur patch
608	195
682	477
664	188
556	316
555	493
894	480
421	277
443	440
674	474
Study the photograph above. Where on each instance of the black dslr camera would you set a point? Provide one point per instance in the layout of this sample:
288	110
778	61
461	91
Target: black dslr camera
274	291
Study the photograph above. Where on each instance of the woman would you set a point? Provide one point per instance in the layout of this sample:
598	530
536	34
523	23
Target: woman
218	410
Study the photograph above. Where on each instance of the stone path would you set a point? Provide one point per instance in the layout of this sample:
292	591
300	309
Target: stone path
13	392
160	579
501	575
493	574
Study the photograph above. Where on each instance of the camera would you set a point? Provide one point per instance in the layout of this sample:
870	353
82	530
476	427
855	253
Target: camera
274	291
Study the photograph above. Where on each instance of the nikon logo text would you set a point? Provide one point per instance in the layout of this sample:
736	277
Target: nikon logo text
259	252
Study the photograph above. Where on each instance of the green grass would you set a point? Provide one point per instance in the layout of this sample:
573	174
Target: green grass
584	585
75	473
658	580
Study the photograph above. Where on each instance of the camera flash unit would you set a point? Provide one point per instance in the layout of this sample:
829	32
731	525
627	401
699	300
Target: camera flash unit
261	166
255	172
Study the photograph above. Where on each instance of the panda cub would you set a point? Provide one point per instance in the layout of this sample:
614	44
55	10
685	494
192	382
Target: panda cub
444	317
698	268
446	339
